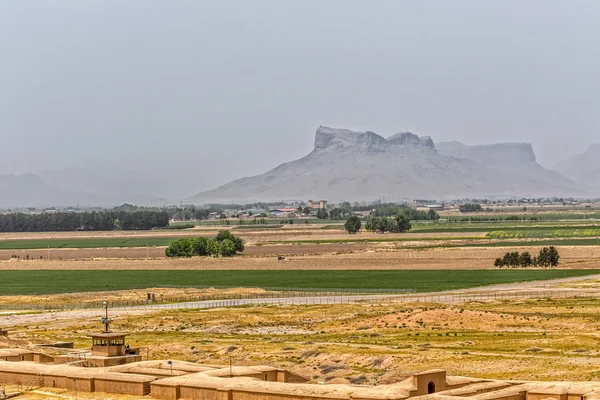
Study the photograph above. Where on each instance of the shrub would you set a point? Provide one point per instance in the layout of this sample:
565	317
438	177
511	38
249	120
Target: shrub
225	244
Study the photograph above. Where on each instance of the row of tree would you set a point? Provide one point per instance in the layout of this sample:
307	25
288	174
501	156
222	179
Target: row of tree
225	244
409	212
471	207
397	224
83	221
548	257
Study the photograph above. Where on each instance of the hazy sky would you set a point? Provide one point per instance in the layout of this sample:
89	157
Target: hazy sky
213	90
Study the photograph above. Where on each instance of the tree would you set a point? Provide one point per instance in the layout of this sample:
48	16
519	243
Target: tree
200	246
213	247
353	224
306	211
465	208
227	248
525	259
402	223
548	257
336	214
322	213
432	215
183	247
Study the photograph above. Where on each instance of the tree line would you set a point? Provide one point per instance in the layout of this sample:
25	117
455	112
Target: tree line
548	257
225	244
471	207
399	223
84	221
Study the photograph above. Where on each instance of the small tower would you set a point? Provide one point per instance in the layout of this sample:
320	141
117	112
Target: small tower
107	343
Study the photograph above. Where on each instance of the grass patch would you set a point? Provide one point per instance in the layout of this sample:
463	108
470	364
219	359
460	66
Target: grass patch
18	282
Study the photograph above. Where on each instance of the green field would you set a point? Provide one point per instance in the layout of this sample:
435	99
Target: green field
84	243
19	282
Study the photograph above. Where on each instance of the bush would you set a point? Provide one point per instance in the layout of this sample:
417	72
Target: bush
225	244
183	247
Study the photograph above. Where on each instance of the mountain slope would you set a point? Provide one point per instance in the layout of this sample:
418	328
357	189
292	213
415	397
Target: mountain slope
347	165
514	158
584	167
28	190
107	186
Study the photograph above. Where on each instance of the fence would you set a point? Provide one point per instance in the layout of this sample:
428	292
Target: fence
269	293
316	298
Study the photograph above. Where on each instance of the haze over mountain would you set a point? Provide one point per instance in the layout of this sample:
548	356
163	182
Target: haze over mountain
513	158
78	186
347	165
584	167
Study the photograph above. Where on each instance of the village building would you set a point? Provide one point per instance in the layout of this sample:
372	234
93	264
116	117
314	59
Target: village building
318	204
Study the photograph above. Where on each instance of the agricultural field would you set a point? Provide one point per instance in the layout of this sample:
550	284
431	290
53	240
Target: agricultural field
50	282
545	232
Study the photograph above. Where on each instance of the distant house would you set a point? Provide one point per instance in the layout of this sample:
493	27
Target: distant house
283	212
320	204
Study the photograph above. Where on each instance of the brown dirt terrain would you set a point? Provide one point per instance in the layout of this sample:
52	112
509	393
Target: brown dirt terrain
325	256
287	233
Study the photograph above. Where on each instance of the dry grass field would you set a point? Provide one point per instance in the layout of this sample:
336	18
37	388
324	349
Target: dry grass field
366	343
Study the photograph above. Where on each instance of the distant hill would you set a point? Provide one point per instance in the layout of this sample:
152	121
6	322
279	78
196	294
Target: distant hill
584	167
513	158
28	190
70	188
347	165
104	186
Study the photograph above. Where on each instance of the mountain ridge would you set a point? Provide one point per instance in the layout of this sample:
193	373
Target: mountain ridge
349	165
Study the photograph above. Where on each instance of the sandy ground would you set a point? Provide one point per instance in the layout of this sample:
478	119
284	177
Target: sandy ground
336	256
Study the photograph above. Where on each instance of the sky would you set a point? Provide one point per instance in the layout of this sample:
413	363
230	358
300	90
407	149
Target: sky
204	92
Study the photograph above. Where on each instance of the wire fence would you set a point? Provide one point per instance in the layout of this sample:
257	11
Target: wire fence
313	298
155	299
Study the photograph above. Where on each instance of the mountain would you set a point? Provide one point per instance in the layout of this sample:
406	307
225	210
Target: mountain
107	186
71	187
513	158
347	165
28	190
584	167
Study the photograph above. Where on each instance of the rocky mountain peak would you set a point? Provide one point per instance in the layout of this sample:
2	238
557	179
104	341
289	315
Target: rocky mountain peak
332	139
